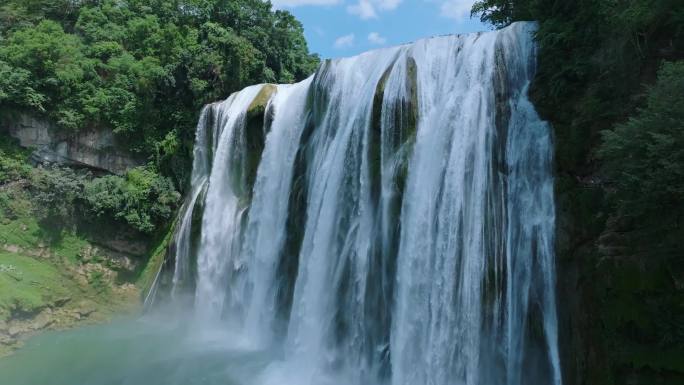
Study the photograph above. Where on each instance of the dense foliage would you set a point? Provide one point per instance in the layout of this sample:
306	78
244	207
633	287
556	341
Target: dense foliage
62	197
13	164
141	198
645	156
54	194
143	67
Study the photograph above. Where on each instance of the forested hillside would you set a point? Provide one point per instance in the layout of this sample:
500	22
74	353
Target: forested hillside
611	81
141	69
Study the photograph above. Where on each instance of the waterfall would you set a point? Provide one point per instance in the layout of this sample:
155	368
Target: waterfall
198	182
389	220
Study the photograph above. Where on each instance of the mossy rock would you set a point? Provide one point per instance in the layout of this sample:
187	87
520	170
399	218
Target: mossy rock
258	105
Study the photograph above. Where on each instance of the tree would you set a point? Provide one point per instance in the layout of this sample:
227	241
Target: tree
143	68
644	157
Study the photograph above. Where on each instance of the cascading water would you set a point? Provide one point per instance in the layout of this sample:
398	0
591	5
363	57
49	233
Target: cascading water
388	221
198	181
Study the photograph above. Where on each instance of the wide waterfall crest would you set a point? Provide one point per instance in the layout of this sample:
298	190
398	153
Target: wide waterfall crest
389	220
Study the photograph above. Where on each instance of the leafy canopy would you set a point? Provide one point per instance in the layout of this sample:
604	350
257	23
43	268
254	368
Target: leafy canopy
644	156
143	67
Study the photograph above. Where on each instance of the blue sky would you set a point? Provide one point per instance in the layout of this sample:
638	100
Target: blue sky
337	28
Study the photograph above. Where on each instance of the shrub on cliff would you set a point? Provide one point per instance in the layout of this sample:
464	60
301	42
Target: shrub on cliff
54	193
62	197
13	165
142	199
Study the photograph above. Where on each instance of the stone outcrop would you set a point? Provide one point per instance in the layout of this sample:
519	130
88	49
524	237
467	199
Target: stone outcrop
94	148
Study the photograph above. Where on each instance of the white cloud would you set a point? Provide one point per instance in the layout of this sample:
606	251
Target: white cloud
368	9
456	9
364	9
345	41
388	4
297	3
375	38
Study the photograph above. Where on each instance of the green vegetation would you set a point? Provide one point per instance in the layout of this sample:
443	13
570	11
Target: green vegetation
49	291
13	164
53	273
610	79
27	285
143	68
54	193
62	198
155	262
142	199
644	158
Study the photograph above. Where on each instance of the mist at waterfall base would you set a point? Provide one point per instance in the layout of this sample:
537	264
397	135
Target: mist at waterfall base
388	221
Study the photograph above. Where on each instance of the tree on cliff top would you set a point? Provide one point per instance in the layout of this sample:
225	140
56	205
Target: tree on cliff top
143	67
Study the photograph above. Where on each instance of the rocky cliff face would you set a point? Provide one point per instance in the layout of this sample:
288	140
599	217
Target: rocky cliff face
94	148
